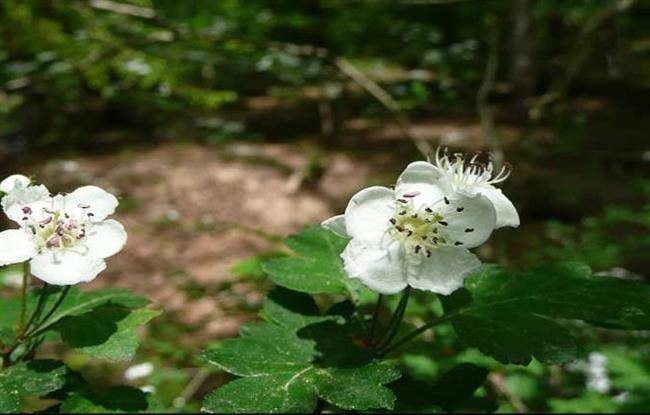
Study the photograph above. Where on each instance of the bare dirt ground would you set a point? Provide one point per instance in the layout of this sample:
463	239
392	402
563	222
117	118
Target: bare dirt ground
192	212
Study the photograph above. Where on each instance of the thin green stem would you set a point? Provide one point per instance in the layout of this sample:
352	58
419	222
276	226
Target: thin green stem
40	327
39	307
23	301
407	338
395	321
375	317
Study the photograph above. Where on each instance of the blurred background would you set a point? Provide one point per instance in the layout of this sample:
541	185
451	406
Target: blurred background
225	125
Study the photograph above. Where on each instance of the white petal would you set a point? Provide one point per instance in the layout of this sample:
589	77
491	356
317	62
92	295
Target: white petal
336	224
470	219
66	267
368	212
443	272
381	270
105	239
422	178
13	181
34	197
101	203
16	245
507	214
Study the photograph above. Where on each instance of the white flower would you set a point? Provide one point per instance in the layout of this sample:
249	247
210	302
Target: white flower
138	371
65	237
418	234
11	182
469	176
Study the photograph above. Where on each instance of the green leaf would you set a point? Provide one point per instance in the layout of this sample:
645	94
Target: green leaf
357	388
106	332
33	379
512	317
274	393
77	302
291	309
118	399
262	349
317	268
9	401
286	368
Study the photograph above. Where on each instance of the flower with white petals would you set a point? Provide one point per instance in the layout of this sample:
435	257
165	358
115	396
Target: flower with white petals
456	172
13	181
64	237
414	235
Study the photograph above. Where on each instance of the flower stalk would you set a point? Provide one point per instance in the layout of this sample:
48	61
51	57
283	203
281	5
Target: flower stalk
375	317
23	301
396	321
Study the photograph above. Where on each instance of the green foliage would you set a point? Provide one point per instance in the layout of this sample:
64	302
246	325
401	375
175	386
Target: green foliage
106	332
287	363
32	379
101	324
317	268
300	355
511	317
118	399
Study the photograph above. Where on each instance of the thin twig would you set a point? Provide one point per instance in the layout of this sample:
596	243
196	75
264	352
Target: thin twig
193	386
483	107
499	384
578	55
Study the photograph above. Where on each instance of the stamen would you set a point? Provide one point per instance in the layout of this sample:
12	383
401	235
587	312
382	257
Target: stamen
460	209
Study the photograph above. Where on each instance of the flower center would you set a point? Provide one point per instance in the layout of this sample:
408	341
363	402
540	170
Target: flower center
466	173
55	230
419	230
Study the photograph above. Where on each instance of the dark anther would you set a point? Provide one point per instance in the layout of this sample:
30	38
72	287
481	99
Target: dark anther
402	213
460	209
67	216
90	214
435	230
446	201
443	223
424	238
428	253
417	248
458	243
399	228
392	220
469	230
410	232
25	218
415	215
402	200
429	210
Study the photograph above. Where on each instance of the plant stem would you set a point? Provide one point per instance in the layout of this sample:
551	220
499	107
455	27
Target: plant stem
39	327
412	335
375	317
396	320
39	308
23	302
